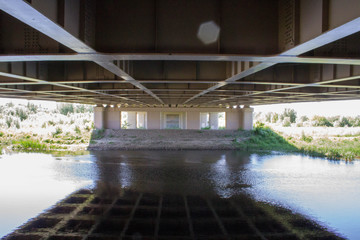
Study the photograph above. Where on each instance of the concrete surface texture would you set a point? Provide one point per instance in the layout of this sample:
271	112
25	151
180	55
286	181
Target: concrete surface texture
170	139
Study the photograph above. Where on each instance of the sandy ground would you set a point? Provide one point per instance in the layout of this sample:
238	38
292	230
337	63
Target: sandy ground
165	139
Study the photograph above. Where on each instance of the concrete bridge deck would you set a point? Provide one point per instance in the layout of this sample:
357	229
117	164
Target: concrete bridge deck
171	53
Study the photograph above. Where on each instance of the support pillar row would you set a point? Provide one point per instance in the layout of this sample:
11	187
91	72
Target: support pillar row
214	120
99	117
246	118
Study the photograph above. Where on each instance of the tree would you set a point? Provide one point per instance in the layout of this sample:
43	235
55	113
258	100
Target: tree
290	113
66	108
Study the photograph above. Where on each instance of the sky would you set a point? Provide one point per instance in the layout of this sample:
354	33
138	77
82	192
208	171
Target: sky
328	108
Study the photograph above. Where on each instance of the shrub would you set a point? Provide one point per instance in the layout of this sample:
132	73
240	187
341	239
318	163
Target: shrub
290	113
286	122
319	121
58	131
65	109
32	145
344	121
268	117
8	121
306	138
21	114
275	118
77	130
32	107
80	108
98	134
304	118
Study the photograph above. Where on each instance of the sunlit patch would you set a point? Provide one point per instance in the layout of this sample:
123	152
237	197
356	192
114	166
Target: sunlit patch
208	32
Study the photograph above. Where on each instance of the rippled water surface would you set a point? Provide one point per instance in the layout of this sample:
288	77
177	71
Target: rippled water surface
326	191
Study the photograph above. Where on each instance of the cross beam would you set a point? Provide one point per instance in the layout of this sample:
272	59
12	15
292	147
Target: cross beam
27	14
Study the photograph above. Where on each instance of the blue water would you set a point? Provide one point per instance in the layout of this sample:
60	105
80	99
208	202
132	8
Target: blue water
326	191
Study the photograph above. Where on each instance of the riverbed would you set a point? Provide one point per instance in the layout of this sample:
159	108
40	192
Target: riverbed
323	190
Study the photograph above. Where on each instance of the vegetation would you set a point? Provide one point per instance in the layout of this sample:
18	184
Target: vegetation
289	119
35	128
264	139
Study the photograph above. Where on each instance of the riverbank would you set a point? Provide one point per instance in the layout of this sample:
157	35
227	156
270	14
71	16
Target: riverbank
261	139
167	139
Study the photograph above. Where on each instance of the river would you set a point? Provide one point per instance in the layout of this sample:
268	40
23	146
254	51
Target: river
325	191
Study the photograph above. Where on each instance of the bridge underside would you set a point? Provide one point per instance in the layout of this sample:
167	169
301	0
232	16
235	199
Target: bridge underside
175	53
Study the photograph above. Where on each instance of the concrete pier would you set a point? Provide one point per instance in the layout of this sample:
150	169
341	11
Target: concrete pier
173	118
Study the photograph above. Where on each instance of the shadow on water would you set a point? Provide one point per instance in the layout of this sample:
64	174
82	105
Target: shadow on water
139	215
168	195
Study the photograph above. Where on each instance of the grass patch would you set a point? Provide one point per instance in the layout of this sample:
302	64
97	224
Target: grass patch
98	134
264	139
332	148
31	145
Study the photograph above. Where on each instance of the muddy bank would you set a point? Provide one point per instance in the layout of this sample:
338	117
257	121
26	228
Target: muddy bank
134	139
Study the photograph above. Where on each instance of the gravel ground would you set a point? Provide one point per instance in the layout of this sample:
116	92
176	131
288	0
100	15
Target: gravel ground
132	139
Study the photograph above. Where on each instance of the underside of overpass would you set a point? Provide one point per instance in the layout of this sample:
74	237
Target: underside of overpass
180	54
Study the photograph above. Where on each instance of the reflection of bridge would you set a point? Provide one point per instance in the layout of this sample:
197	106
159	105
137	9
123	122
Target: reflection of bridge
136	215
160	53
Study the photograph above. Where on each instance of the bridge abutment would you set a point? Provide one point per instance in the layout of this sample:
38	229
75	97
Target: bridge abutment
173	118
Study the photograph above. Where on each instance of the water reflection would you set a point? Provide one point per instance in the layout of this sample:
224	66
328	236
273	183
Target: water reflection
206	172
30	183
312	186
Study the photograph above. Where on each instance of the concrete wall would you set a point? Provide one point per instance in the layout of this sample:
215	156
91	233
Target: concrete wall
113	119
189	117
153	120
193	120
246	118
232	120
99	117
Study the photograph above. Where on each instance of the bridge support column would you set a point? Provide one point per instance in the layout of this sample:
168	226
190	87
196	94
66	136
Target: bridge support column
112	118
99	117
214	120
193	120
246	118
131	120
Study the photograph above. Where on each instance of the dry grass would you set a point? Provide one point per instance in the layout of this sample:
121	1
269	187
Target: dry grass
33	128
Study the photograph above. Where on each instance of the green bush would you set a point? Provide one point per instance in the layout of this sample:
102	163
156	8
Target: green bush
58	131
275	118
30	144
344	121
9	121
289	113
77	130
268	117
98	134
320	121
306	138
32	107
66	108
286	122
21	114
304	118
